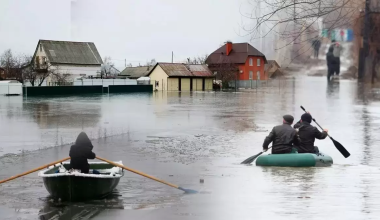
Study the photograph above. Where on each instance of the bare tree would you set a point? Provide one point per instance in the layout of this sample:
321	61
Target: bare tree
58	77
107	67
152	62
295	20
197	60
225	71
12	65
35	73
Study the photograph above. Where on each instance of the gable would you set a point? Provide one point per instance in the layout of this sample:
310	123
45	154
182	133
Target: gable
67	52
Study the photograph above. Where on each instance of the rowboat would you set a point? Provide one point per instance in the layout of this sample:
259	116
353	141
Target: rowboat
295	160
72	185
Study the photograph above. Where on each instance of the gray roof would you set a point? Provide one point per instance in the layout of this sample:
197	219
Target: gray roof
184	70
68	52
136	72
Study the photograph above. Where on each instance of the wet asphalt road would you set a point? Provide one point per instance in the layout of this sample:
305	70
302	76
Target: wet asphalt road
182	138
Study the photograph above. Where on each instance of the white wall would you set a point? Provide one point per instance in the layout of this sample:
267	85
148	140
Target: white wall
104	82
10	88
75	71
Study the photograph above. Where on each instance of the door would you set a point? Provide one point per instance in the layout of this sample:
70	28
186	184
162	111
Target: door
197	84
258	75
185	84
173	84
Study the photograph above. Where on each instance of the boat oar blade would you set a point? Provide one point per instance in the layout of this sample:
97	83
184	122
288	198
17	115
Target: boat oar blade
251	159
340	148
189	191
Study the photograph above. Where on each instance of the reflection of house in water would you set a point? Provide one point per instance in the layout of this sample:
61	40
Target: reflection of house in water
67	115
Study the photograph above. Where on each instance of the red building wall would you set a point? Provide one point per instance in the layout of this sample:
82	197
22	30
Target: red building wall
246	68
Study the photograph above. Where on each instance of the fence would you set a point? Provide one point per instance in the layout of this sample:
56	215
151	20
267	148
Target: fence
104	82
80	90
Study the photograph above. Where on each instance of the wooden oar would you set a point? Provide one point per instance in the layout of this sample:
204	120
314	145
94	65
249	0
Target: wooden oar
34	170
338	145
252	158
148	176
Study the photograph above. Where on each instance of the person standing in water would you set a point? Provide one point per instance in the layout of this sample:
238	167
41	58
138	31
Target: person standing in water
80	152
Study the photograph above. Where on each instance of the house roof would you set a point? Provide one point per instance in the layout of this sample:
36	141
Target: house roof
200	70
68	52
238	54
271	63
136	72
184	70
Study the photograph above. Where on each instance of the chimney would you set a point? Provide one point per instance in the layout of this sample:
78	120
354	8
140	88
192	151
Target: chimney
229	47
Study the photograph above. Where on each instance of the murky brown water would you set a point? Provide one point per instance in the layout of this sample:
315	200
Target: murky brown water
183	137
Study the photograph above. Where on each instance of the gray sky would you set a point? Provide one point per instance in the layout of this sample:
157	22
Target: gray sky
124	29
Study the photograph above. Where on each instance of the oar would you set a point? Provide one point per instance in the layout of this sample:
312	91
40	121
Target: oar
252	158
338	145
34	170
148	176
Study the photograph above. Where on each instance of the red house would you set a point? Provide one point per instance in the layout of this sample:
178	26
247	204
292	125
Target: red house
244	61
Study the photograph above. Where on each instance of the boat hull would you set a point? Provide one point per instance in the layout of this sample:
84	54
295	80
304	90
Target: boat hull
295	160
78	186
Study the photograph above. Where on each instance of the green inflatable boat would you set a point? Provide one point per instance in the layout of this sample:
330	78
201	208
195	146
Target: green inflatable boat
295	160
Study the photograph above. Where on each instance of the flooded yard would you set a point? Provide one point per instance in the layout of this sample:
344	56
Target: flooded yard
185	137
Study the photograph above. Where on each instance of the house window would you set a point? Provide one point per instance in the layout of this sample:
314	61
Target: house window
258	62
250	61
157	85
258	75
250	75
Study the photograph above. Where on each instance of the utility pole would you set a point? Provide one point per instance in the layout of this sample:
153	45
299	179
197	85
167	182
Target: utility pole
172	56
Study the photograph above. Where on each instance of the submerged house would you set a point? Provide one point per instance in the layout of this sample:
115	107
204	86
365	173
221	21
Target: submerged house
181	77
68	58
245	63
135	72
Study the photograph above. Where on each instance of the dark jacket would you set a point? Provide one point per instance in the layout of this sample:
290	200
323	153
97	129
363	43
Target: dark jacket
332	61
80	152
307	135
283	137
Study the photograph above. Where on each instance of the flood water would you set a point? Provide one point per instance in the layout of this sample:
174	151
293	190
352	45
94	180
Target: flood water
185	137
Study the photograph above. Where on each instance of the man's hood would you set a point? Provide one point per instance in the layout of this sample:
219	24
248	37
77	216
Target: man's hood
83	140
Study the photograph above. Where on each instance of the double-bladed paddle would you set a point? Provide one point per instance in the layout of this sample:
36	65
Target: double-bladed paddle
338	145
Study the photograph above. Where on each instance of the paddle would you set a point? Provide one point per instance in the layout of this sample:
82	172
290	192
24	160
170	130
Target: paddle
34	170
148	176
338	145
252	158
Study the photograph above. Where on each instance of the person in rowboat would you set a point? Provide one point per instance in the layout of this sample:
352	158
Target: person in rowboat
80	152
307	135
283	137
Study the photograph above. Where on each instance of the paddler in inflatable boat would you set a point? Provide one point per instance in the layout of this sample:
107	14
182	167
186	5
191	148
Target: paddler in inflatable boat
307	135
284	137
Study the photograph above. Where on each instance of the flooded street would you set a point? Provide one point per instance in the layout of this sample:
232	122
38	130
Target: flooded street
185	137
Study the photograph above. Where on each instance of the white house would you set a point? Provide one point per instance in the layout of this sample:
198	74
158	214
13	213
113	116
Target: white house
72	59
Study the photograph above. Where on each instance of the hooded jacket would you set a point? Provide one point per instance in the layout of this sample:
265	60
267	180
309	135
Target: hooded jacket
80	152
307	135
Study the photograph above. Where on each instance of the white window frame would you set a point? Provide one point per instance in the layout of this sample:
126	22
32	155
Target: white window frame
250	62
250	74
258	62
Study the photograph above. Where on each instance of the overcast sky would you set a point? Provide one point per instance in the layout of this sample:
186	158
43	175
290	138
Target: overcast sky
124	29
